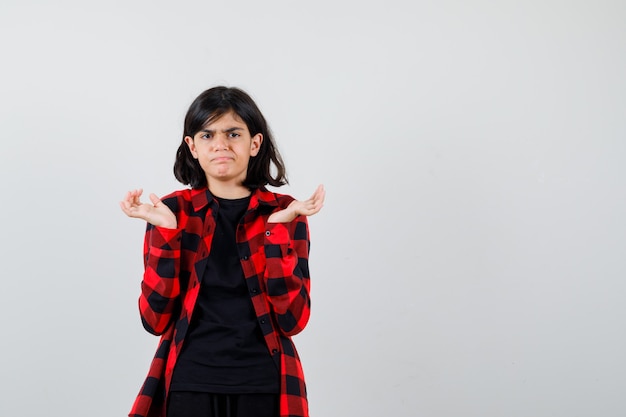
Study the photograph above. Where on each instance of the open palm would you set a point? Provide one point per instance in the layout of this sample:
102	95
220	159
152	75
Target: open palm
297	208
157	213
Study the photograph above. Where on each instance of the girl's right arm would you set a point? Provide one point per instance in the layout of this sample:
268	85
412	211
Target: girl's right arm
160	286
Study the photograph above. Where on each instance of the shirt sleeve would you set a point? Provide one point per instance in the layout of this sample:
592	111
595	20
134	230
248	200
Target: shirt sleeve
160	287
287	273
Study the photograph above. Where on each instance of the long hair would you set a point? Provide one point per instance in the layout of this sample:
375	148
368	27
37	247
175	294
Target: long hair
211	105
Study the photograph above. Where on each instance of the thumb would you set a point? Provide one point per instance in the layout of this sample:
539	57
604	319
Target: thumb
155	200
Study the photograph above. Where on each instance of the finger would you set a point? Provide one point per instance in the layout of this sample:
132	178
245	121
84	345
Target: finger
155	200
133	198
316	192
129	199
320	193
129	196
127	209
321	196
318	200
138	193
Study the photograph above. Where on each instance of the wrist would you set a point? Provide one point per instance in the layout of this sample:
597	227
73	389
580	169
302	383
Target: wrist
283	216
166	224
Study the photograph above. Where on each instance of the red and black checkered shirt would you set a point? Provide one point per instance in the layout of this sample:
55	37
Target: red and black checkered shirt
274	259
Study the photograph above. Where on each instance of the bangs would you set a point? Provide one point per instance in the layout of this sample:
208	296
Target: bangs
217	114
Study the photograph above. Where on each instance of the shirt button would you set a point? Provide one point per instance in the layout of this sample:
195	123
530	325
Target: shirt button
274	351
262	321
255	290
245	258
267	233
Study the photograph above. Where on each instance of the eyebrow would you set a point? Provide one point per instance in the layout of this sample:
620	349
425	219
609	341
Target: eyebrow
230	129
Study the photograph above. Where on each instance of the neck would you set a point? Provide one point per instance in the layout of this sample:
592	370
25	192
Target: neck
229	191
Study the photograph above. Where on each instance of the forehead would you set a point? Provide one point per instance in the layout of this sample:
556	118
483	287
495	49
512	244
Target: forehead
226	120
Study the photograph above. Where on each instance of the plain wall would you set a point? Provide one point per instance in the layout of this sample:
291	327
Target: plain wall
470	258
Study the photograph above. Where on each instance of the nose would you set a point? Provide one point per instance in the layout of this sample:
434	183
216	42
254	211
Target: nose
220	143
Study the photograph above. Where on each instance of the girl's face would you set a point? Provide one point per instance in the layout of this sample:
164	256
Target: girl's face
223	149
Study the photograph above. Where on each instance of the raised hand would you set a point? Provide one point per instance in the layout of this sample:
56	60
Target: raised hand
157	213
300	208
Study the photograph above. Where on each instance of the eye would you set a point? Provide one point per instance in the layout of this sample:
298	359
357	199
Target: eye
205	135
233	135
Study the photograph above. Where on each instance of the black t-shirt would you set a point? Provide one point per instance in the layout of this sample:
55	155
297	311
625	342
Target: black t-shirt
224	350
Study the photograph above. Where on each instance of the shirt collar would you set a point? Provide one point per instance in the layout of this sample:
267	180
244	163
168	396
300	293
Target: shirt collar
201	197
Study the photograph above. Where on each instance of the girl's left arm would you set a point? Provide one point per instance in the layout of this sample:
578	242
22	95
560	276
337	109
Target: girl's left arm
287	262
287	277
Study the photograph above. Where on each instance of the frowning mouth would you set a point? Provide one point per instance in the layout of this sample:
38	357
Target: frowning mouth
221	159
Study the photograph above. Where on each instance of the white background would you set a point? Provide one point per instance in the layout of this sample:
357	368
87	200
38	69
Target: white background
470	260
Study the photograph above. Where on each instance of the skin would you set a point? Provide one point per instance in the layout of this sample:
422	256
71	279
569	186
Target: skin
223	149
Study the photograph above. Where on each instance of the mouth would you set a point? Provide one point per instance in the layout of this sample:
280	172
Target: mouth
221	159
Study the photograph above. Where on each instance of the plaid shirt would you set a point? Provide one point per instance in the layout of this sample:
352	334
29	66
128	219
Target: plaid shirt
274	259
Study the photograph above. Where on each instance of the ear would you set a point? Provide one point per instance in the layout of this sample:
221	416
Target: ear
192	146
255	144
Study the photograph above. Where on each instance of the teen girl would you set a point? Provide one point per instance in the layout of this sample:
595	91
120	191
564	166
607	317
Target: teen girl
226	281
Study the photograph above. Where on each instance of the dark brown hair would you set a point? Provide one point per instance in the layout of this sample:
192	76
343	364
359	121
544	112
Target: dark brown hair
211	105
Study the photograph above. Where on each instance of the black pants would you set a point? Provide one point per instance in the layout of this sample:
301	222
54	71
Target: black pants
202	404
